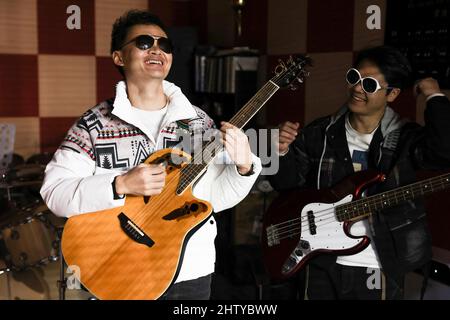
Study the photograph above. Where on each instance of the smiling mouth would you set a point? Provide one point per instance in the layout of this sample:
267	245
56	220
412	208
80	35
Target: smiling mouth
152	61
358	98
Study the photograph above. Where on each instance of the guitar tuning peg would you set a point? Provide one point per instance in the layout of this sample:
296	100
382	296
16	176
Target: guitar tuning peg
293	87
280	68
300	80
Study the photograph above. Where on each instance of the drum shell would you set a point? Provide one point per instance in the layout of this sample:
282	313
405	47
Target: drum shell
30	242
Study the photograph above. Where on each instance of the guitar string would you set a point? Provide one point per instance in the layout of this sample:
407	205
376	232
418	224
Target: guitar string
372	200
184	175
249	111
293	231
274	80
142	217
293	225
396	195
192	173
296	226
305	223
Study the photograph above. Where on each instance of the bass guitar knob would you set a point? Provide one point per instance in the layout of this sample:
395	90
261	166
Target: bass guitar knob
304	244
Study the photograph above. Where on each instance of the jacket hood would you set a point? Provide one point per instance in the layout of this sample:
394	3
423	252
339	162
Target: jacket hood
390	122
179	107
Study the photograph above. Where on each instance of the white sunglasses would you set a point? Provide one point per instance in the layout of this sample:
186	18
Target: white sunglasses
368	84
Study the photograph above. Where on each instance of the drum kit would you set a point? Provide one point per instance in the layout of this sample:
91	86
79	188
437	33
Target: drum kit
29	232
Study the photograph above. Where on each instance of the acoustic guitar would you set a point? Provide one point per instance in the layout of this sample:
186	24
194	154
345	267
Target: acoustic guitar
135	251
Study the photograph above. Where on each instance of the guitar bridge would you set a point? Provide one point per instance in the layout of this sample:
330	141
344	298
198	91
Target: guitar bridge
272	236
133	231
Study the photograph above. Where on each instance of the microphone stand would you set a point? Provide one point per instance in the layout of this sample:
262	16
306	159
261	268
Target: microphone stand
62	282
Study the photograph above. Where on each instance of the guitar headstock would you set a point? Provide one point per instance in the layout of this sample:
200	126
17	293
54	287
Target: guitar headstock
291	72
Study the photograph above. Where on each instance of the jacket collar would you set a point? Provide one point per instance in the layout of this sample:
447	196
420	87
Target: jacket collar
179	107
390	122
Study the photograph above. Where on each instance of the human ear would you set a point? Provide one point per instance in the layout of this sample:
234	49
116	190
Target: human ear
117	58
393	94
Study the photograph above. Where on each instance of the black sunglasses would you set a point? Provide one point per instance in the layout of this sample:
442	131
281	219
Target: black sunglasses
145	42
368	84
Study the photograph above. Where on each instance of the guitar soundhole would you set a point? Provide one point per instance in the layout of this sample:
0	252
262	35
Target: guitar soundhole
185	211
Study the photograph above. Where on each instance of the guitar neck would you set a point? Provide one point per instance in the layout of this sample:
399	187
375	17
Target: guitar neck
191	172
365	206
251	108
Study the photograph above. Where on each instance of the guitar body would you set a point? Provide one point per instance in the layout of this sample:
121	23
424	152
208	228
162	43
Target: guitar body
135	251
301	224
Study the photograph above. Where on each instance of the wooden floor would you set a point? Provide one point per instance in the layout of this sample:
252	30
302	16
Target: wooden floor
37	283
40	283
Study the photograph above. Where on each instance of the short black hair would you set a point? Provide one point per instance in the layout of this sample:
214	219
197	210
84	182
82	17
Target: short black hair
125	22
392	63
129	19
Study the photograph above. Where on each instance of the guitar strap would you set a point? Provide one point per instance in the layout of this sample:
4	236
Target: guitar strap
387	151
391	125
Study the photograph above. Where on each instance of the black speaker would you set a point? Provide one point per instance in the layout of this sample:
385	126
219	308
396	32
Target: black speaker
185	40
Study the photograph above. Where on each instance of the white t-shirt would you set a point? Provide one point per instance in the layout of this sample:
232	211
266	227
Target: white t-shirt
152	120
358	144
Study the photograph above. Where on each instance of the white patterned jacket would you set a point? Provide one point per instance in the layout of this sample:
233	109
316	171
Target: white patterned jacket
107	141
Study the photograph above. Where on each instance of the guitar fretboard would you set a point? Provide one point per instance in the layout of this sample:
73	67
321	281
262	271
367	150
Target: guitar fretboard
202	159
365	206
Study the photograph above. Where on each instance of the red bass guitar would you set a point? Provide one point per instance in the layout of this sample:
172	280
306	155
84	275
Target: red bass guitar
301	224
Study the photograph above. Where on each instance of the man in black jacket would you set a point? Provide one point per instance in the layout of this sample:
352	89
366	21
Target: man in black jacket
366	133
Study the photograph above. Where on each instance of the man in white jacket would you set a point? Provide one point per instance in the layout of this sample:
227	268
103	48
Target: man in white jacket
100	160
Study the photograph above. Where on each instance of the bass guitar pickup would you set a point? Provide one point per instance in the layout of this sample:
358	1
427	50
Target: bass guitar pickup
311	222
